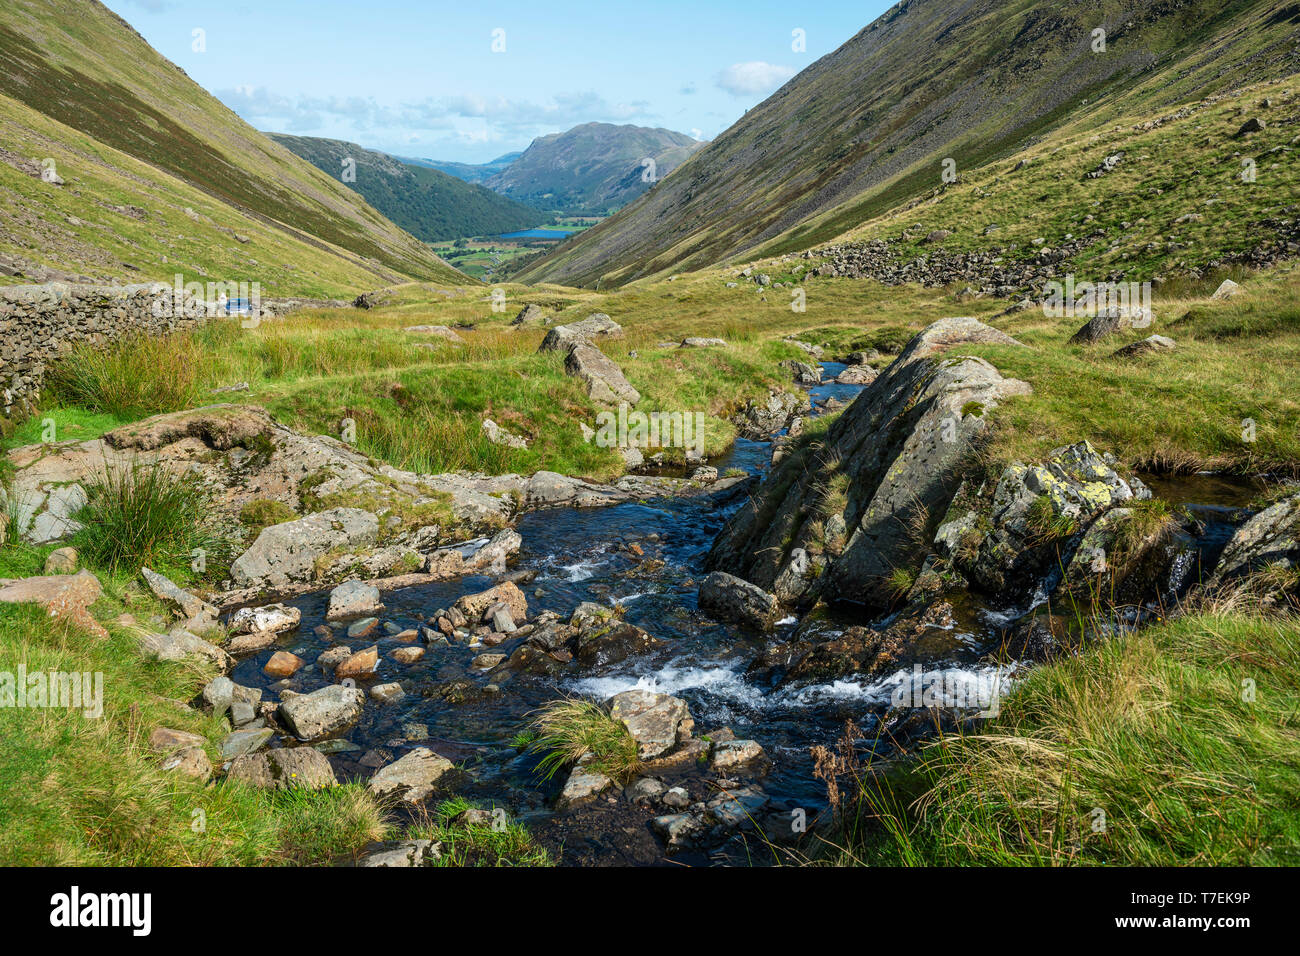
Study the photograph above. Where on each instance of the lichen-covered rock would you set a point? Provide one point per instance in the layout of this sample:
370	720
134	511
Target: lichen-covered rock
885	473
287	553
604	380
760	420
353	599
323	712
412	777
656	721
1271	537
284	769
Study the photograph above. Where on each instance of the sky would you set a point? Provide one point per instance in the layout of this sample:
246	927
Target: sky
470	81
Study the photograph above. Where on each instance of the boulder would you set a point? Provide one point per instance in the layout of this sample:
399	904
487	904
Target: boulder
164	740
474	606
604	380
412	777
439	330
803	373
61	561
353	599
276	618
733	599
1269	538
1105	323
1152	343
190	761
857	375
179	644
405	854
323	712
656	721
359	666
282	664
284	769
530	314
241	742
583	786
729	755
887	470
286	553
565	337
499	436
1226	290
169	593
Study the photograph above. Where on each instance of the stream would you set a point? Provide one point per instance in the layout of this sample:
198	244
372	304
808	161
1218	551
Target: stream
592	555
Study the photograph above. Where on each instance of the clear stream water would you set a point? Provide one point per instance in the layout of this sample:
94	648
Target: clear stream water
583	555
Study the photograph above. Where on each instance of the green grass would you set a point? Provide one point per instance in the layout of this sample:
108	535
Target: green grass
78	791
502	842
568	730
145	515
1183	738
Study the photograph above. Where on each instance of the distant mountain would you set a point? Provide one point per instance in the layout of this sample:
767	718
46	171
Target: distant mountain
594	168
428	203
470	172
868	127
150	158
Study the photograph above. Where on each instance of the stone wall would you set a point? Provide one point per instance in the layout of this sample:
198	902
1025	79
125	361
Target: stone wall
40	323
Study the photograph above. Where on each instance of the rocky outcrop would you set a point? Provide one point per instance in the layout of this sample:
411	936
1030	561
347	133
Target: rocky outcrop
1270	538
1006	542
868	500
604	380
287	553
761	419
596	326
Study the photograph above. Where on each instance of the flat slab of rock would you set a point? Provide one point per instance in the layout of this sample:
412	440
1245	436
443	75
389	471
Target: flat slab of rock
323	712
284	769
595	326
287	553
406	854
165	590
699	342
353	599
730	754
62	595
1152	343
190	761
412	777
655	721
583	786
275	618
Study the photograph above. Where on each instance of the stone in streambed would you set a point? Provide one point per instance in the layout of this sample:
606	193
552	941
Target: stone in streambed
323	712
353	599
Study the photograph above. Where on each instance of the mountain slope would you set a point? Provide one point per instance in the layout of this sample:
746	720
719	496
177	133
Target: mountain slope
865	128
469	172
592	168
83	67
427	203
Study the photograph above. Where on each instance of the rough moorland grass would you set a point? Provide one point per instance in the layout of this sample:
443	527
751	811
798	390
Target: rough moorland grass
1176	745
568	730
507	843
144	515
87	792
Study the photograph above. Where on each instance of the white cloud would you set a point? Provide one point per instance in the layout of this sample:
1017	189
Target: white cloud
749	79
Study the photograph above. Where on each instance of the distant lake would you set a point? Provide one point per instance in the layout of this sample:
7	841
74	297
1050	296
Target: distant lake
540	234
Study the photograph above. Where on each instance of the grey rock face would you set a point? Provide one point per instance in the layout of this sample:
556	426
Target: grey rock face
322	712
287	553
888	468
733	599
1271	537
656	721
605	381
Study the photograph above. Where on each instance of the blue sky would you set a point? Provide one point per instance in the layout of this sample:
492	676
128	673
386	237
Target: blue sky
422	79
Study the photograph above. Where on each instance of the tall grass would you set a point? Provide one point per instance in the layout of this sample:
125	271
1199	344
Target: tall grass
1176	745
142	515
568	730
134	376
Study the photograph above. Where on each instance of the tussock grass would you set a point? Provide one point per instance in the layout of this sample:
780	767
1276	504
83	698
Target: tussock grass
1176	745
132	377
504	843
568	730
76	791
144	515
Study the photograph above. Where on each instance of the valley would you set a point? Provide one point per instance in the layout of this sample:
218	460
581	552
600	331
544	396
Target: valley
819	504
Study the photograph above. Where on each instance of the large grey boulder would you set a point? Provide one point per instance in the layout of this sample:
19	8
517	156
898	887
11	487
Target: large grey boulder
323	712
412	777
1271	537
604	380
353	599
596	326
284	769
733	599
657	722
868	501
286	553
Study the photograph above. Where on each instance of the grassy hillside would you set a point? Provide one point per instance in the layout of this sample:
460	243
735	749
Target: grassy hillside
866	128
84	68
593	168
427	203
